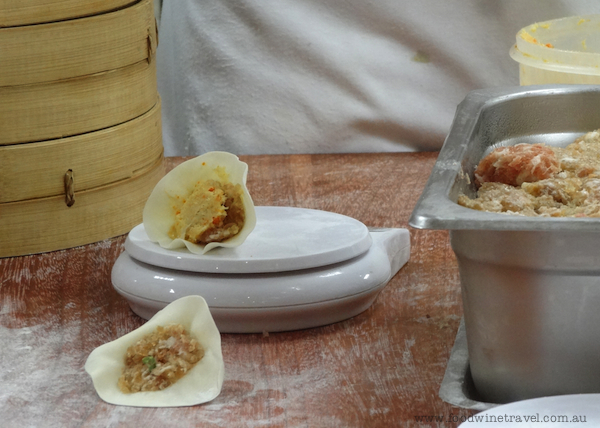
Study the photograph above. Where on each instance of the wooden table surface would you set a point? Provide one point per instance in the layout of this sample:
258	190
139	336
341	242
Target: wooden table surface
382	368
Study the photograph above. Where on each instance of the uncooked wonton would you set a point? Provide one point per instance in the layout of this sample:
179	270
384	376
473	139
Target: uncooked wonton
201	204
199	384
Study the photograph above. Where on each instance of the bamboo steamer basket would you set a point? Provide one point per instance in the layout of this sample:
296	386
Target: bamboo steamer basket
25	12
95	159
77	47
47	224
80	120
77	76
74	191
57	109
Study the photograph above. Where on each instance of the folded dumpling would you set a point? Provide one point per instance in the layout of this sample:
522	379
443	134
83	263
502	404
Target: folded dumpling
196	383
201	204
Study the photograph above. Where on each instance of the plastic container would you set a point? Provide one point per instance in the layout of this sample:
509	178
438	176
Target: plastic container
565	50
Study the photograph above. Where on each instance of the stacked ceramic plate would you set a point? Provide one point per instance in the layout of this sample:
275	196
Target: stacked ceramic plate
80	145
299	268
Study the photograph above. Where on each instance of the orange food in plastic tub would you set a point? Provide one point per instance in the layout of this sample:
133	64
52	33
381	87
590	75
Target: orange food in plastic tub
565	50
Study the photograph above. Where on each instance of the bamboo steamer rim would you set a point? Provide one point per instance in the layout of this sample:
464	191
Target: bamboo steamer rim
47	224
26	12
37	170
49	110
79	47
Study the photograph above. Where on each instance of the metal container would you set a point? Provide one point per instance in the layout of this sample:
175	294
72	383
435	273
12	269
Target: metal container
530	286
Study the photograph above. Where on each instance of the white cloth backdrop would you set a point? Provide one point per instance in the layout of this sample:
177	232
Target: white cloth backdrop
318	76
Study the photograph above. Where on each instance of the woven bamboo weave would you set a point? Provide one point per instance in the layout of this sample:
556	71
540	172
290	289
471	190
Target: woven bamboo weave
67	49
24	12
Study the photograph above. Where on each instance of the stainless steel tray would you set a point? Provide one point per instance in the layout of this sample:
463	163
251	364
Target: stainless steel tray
530	286
488	118
457	387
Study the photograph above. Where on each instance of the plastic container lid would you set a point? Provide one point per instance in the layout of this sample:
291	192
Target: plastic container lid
568	45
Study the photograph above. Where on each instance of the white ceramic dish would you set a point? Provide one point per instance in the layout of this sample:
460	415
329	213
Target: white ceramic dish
284	239
334	278
562	411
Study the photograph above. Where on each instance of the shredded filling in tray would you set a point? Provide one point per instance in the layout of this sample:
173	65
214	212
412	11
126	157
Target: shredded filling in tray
540	180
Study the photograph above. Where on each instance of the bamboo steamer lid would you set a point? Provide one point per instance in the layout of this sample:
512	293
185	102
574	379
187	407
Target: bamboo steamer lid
25	12
78	190
57	109
78	47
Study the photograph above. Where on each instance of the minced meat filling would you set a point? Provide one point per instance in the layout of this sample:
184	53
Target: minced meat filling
159	359
539	180
213	212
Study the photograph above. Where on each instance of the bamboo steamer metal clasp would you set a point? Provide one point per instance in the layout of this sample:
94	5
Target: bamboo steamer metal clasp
69	188
112	172
37	170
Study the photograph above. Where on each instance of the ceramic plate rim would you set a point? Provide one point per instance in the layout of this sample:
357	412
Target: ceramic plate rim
142	249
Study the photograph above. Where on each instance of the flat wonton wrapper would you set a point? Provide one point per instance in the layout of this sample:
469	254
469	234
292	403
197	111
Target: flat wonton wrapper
159	211
201	384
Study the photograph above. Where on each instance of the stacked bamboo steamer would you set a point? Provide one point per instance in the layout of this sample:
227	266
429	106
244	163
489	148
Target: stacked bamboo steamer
80	126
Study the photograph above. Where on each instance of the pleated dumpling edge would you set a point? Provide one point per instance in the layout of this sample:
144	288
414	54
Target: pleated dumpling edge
201	384
186	209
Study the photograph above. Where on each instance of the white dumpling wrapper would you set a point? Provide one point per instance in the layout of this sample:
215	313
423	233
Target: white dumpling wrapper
159	215
201	384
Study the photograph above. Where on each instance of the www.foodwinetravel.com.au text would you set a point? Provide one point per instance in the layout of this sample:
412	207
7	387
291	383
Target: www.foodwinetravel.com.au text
487	418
